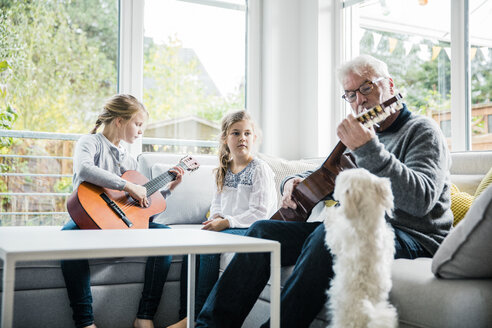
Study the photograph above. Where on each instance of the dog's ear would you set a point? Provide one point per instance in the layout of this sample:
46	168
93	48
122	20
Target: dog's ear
350	203
384	194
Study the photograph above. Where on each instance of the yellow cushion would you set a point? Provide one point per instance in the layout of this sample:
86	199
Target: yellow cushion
330	203
454	189
486	181
460	203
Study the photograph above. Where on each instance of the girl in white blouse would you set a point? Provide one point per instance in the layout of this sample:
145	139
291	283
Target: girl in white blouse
245	193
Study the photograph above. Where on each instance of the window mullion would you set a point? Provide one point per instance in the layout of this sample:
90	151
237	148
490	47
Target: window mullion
131	54
253	59
331	52
460	77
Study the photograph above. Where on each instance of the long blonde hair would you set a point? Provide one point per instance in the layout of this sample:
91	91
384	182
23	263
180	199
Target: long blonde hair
224	151
120	105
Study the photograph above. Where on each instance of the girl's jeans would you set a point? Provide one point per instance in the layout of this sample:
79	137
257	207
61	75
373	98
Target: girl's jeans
77	280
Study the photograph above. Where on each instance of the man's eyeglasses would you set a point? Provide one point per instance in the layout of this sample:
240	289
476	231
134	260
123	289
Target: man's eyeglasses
365	89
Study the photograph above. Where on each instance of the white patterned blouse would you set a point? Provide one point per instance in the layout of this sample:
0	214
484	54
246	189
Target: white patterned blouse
247	196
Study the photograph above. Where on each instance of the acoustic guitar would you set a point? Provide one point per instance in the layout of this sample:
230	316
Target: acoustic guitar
94	207
321	182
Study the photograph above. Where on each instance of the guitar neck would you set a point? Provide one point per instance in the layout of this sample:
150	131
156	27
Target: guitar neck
370	117
160	181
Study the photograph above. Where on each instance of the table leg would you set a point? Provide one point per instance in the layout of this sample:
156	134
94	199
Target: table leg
8	293
275	287
191	290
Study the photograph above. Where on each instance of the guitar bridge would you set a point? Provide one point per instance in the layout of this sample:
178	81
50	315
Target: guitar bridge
116	209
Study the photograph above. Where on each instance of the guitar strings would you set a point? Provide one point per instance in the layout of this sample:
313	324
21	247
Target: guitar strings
151	185
132	202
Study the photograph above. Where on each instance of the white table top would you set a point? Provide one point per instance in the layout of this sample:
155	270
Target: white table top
45	243
50	243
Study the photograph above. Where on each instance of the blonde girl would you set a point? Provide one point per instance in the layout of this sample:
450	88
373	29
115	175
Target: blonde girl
245	194
100	158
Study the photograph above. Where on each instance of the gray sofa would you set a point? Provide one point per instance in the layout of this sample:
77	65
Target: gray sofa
422	300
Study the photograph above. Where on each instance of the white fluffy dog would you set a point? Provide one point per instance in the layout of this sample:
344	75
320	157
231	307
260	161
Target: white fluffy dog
362	243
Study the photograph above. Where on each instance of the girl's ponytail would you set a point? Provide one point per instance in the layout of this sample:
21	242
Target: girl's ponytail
96	126
220	172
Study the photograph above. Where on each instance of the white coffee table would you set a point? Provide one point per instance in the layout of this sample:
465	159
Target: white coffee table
44	243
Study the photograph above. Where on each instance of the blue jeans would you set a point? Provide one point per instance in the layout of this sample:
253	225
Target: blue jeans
303	294
77	280
207	273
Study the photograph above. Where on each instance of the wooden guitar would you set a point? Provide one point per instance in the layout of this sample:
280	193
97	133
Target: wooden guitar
94	207
321	183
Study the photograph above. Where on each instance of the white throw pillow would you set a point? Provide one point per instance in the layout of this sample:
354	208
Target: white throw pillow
467	251
190	201
283	168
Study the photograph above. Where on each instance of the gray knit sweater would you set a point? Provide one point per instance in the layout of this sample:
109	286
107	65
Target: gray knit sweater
412	153
98	161
414	156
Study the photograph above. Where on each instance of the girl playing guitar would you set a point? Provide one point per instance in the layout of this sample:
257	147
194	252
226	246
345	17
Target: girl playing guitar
100	159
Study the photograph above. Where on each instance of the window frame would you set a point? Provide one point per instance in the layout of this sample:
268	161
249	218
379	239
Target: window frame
131	60
130	63
460	65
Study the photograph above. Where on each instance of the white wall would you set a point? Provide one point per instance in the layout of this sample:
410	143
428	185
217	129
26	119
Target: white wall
296	83
281	78
308	78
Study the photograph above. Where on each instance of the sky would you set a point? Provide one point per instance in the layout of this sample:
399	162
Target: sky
216	34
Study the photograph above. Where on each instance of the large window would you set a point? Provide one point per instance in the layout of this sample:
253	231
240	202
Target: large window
60	60
194	66
414	38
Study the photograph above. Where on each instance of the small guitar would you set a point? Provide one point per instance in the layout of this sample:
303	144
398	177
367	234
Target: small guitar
321	182
94	207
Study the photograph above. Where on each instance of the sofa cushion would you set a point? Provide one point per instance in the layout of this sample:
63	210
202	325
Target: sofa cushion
468	169
283	168
47	274
467	182
467	251
486	181
418	297
190	201
422	300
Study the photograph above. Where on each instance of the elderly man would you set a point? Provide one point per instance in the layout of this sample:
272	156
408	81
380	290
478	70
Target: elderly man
406	148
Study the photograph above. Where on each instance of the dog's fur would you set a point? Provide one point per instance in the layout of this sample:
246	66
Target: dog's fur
362	243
